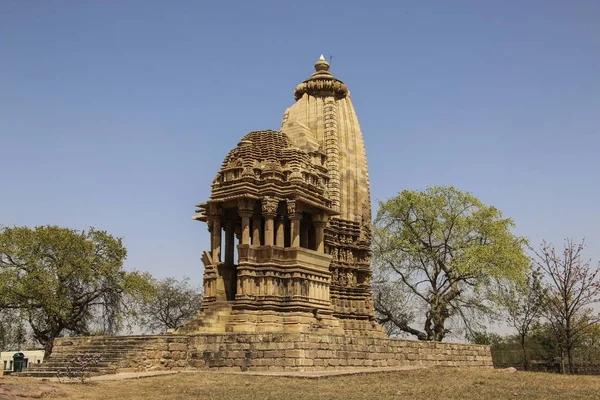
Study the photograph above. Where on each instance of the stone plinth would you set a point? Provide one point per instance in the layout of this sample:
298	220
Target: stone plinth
262	352
310	351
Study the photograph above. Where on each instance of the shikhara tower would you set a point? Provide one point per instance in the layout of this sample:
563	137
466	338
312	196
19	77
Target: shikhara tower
297	202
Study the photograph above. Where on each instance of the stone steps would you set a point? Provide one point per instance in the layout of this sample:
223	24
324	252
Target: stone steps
117	352
52	373
212	320
99	349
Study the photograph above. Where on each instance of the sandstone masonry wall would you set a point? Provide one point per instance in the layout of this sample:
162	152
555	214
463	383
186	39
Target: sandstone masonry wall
271	351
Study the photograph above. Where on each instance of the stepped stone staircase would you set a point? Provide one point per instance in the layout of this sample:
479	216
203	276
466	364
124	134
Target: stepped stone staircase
119	353
212	319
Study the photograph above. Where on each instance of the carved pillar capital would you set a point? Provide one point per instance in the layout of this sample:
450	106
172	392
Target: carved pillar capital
291	206
245	213
269	206
214	210
295	216
244	205
319	219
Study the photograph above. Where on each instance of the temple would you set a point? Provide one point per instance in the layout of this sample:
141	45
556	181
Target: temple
290	222
287	277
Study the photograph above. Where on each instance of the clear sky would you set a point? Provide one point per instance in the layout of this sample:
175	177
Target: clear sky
118	114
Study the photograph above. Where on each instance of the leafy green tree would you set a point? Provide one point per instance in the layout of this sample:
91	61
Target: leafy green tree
524	304
63	281
486	338
448	250
542	341
169	304
589	346
13	331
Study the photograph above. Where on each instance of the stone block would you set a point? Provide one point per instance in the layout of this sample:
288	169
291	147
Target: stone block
304	362
290	362
267	362
177	347
197	363
324	354
154	355
294	353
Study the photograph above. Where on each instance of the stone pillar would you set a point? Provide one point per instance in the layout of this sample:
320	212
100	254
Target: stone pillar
216	239
256	227
295	229
269	229
229	241
269	209
245	226
319	222
304	228
245	212
294	217
280	231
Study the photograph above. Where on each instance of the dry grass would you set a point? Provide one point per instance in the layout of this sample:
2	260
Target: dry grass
443	383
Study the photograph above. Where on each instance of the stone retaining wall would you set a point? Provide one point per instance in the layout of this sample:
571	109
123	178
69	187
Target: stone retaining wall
272	351
307	351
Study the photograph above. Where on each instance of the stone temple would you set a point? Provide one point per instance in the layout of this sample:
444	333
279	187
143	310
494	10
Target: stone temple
287	276
290	223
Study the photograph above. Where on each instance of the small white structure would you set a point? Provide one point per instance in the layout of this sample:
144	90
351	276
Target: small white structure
31	357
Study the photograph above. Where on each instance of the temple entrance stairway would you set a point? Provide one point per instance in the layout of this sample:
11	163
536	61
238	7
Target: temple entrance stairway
212	319
119	353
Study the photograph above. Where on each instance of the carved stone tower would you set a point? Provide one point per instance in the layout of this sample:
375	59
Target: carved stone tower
298	203
323	117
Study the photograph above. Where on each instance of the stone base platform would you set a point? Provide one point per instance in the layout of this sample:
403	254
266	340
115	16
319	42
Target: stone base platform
286	351
311	351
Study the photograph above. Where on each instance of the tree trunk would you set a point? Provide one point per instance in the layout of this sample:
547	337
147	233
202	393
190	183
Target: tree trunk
525	361
48	348
562	361
570	359
434	324
47	341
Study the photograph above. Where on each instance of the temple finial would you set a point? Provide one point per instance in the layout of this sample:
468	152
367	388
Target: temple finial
322	64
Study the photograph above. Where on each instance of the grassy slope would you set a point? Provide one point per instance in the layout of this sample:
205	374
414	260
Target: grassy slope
443	383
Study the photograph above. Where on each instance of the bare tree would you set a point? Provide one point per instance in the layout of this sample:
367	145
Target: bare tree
574	288
392	304
524	304
170	305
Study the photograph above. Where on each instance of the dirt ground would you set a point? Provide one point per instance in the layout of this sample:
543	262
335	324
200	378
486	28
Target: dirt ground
430	384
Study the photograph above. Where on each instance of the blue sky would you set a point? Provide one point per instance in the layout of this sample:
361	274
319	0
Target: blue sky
117	114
